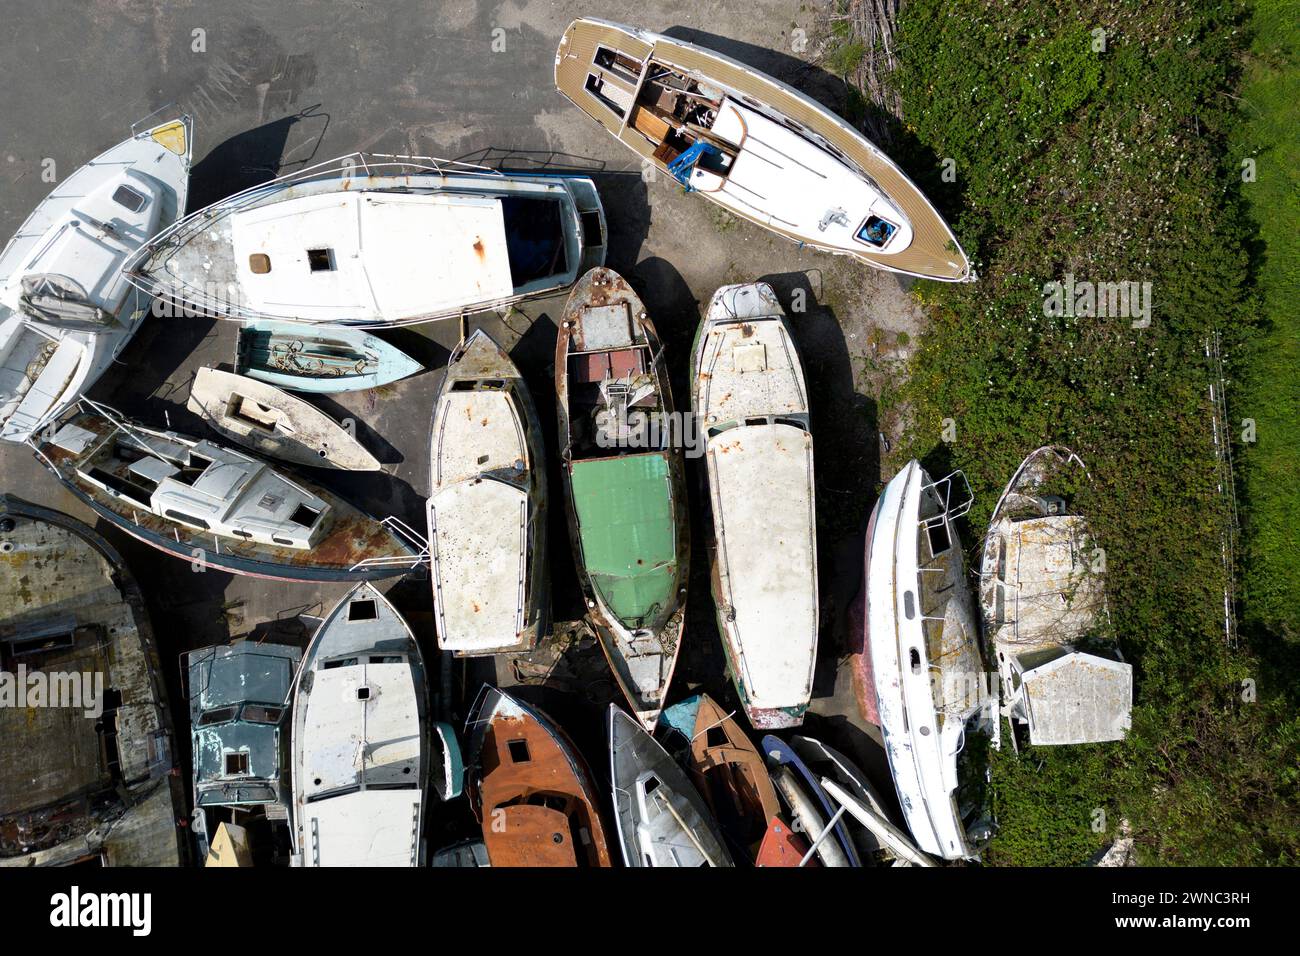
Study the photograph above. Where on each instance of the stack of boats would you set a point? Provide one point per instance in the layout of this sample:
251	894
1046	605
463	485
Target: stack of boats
340	744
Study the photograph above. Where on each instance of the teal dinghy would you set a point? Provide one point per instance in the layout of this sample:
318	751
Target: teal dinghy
305	359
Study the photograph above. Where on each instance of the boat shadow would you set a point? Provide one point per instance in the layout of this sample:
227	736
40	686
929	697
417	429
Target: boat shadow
253	157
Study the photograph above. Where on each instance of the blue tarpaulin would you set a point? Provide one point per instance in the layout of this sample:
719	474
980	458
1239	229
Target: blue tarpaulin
681	167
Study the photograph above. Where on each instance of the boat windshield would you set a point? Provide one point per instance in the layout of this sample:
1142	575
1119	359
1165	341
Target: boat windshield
534	238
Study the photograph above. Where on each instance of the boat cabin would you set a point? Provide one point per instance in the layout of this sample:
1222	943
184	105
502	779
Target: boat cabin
614	400
238	696
392	256
199	485
1046	608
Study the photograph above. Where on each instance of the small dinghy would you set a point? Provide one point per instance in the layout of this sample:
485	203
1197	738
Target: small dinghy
919	660
364	743
217	507
1043	598
809	805
755	146
66	311
626	485
530	788
274	423
751	403
326	360
380	241
487	506
662	820
727	770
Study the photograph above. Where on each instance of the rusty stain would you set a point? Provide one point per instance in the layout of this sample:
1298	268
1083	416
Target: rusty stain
545	801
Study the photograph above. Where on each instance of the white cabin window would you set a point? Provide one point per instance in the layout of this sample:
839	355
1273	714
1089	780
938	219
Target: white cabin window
302	515
128	198
320	260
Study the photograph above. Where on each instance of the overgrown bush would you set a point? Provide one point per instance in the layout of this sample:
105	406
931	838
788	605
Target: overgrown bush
1103	155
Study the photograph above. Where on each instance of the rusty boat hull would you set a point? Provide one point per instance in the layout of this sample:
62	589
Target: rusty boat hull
531	789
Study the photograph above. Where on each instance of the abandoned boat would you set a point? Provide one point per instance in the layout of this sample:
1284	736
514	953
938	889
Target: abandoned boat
487	506
626	486
364	741
530	788
379	241
662	820
1043	599
750	401
66	312
303	359
756	147
217	507
86	765
238	694
810	807
919	660
274	423
727	770
848	786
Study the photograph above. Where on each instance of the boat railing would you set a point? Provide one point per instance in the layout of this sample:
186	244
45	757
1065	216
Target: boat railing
167	113
358	164
222	302
404	532
954	494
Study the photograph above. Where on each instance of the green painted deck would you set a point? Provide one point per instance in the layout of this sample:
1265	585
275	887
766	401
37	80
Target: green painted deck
629	542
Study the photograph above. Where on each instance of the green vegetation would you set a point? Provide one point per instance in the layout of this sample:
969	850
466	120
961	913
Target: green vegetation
1118	164
1270	109
845	59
